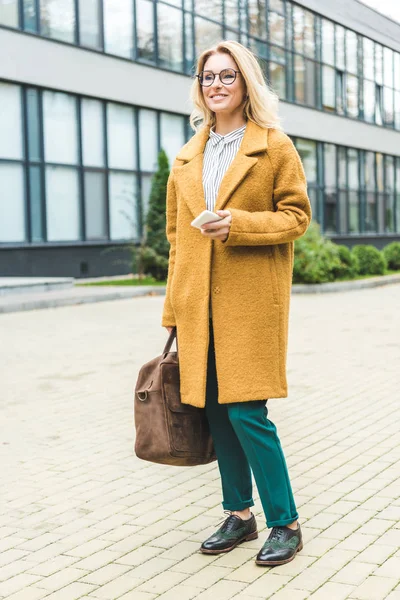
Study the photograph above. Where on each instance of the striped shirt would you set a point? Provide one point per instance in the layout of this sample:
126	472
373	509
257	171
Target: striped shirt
219	152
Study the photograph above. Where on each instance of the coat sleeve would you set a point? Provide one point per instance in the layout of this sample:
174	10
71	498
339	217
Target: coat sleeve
292	213
168	317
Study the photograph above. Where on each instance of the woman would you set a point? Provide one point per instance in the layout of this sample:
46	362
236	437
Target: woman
228	287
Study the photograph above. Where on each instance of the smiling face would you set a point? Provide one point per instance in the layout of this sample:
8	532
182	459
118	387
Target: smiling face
220	98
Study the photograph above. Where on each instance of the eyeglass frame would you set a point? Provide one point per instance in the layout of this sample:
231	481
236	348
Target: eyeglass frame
215	74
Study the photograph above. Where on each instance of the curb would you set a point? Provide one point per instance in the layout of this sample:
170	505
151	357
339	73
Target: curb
87	295
344	286
55	299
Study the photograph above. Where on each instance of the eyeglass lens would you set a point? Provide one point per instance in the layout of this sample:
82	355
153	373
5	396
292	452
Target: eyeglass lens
227	76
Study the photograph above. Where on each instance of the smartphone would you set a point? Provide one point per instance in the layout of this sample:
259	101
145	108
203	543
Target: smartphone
205	217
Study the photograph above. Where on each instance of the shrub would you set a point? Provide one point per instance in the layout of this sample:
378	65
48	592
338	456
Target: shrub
349	264
392	255
316	259
370	260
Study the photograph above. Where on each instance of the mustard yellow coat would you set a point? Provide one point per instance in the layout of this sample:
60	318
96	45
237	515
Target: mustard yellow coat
248	277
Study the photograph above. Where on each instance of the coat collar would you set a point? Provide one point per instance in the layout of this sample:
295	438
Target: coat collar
254	141
189	176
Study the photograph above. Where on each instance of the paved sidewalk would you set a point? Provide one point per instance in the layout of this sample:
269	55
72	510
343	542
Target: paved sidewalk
82	517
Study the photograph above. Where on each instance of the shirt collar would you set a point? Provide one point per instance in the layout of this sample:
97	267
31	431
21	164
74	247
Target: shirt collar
216	138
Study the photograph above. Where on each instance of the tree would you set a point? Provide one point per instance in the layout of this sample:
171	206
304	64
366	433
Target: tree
152	255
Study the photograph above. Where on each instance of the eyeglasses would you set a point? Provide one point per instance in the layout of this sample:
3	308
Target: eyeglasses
226	76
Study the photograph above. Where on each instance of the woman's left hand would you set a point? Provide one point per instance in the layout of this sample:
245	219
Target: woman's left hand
218	230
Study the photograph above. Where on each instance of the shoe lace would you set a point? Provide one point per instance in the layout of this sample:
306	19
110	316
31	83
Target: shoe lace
276	534
228	522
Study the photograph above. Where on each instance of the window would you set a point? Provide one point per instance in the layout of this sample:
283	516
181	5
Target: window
354	197
257	19
57	19
352	95
277	79
172	135
92	133
62	209
388	106
231	14
328	88
307	150
148	140
12	199
299	76
369	101
328	42
352	157
10	121
276	29
352	52
370	197
9	13
30	15
118	27
60	123
211	10
378	64
36	203
90	23
330	188
398	194
378	105
169	37
207	34
340	48
309	34
298	29
340	96
188	31
123	206
145	30
121	137
33	122
397	110
368	52
397	71
95	205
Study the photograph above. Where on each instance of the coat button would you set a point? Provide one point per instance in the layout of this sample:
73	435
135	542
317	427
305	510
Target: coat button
216	290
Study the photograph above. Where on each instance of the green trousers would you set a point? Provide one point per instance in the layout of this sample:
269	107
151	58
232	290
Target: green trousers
246	440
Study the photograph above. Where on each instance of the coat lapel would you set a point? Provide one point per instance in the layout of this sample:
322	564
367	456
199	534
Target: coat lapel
189	176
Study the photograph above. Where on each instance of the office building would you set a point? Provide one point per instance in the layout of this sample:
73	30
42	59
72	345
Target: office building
90	90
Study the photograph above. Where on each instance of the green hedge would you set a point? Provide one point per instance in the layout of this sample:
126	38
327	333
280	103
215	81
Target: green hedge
318	260
392	255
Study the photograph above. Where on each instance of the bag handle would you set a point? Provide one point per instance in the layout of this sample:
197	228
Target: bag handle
170	339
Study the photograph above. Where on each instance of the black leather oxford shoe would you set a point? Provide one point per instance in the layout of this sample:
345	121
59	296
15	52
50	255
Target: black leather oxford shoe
233	531
281	546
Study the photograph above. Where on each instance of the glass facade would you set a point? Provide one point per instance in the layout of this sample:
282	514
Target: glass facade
352	192
93	186
307	58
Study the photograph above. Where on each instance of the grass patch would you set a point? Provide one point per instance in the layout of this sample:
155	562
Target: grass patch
387	272
130	281
152	281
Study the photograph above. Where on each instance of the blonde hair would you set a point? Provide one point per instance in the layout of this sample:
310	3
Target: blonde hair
261	104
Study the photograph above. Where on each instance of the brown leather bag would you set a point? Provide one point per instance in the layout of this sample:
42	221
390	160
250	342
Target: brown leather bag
167	431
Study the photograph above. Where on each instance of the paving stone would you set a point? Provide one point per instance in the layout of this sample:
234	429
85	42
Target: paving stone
374	588
82	516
